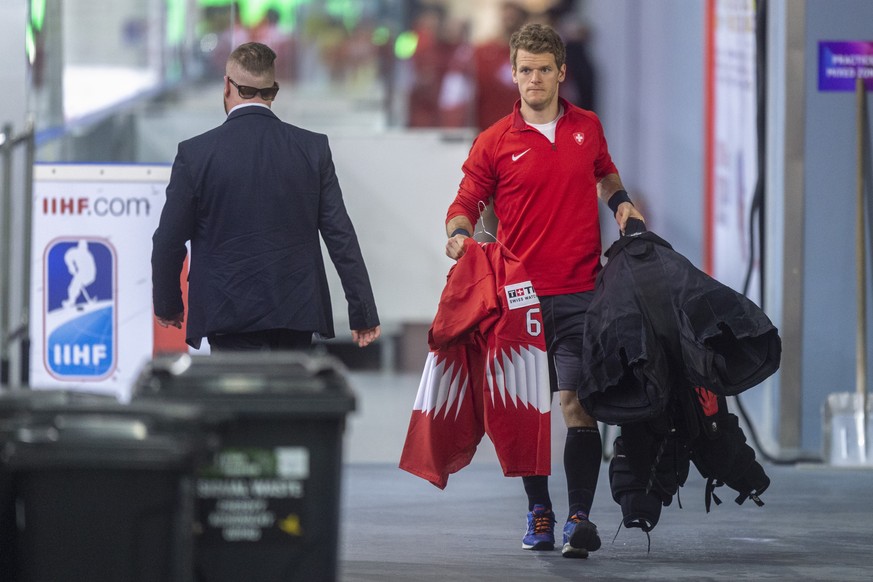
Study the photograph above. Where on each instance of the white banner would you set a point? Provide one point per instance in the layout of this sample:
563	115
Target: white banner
734	159
91	301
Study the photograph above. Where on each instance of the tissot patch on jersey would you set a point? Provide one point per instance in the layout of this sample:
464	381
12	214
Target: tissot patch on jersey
520	295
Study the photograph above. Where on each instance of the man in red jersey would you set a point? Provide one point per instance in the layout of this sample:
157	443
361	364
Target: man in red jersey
545	165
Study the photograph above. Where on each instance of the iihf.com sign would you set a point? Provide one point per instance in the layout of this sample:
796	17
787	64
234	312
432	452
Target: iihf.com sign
80	324
91	320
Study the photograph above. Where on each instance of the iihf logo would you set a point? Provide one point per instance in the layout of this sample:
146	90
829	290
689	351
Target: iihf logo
80	309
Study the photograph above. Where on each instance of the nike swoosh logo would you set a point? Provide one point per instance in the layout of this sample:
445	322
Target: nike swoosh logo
515	157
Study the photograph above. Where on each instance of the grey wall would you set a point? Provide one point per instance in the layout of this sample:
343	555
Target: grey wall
829	221
650	60
649	57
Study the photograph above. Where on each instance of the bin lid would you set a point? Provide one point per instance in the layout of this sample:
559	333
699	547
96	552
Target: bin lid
284	383
13	402
99	440
23	407
43	416
46	402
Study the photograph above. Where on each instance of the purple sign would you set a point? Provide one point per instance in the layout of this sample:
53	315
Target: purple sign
841	62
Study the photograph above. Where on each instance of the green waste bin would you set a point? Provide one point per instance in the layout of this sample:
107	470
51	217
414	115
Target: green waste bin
268	502
98	490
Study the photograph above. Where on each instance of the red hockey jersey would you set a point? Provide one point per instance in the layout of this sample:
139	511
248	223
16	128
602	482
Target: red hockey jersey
486	372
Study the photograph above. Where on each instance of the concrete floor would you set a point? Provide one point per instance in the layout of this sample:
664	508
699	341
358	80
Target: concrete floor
815	524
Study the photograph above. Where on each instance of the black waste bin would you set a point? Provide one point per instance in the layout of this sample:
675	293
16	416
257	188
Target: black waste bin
267	506
101	490
16	411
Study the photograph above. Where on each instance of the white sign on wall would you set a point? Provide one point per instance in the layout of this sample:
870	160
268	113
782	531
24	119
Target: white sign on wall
734	159
92	325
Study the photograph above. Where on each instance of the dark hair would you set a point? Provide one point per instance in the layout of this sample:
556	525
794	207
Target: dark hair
255	58
537	39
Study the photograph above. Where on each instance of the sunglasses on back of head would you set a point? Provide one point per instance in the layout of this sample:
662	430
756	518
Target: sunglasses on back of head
246	92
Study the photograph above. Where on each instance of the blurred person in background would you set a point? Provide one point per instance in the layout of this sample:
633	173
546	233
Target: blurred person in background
234	33
429	64
269	32
579	88
495	91
457	89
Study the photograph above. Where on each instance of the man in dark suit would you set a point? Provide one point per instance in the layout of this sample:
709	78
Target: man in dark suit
252	196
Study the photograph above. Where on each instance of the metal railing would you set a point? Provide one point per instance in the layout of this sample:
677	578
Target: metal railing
16	202
861	143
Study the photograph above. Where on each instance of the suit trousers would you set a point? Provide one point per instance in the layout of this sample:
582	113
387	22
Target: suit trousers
267	340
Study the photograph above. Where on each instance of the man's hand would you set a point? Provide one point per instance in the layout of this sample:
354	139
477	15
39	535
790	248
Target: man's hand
458	229
625	211
364	337
611	191
455	246
175	321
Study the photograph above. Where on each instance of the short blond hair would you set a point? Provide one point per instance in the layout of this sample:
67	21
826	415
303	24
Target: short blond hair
537	39
254	58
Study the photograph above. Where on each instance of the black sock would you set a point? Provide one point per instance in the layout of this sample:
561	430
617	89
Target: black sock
537	489
583	453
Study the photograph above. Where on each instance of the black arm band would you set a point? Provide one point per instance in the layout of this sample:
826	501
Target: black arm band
616	199
458	231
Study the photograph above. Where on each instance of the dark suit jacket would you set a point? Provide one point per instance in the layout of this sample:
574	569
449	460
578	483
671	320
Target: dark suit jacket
252	196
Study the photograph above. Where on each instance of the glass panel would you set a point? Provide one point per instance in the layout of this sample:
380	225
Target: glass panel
89	57
102	72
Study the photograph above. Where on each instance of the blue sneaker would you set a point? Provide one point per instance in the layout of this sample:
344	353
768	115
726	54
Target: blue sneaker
580	537
540	530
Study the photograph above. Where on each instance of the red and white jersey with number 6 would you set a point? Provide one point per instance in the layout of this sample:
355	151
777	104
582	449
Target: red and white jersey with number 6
486	372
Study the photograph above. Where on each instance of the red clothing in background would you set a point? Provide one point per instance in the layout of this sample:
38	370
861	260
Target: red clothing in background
496	93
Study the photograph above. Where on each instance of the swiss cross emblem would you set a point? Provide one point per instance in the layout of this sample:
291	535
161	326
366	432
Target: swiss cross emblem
579	137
